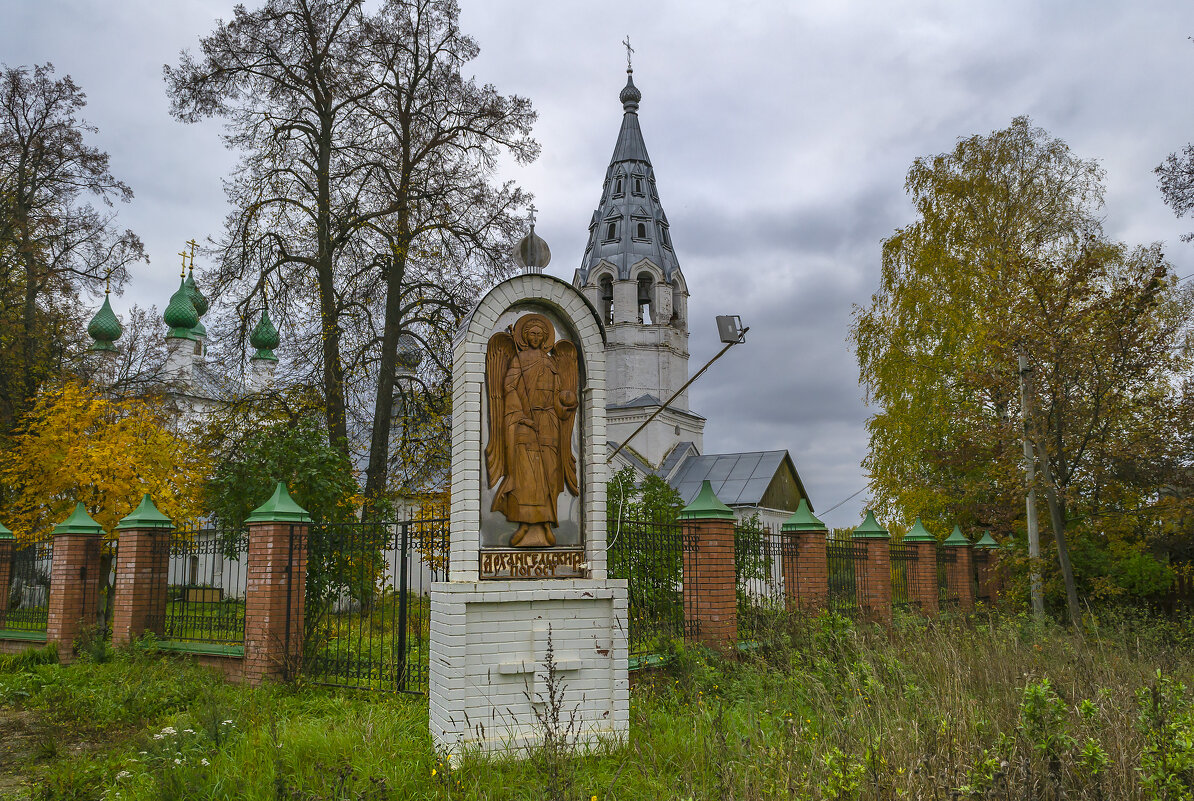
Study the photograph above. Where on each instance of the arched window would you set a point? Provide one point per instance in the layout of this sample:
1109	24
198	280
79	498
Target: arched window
646	298
611	231
607	298
618	187
638	185
641	231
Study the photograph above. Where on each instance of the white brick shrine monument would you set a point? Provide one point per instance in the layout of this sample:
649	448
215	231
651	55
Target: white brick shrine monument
528	564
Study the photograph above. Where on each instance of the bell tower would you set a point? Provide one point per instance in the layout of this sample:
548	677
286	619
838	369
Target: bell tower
630	274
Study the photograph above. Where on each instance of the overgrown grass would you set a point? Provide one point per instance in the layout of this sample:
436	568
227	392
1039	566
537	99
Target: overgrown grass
994	708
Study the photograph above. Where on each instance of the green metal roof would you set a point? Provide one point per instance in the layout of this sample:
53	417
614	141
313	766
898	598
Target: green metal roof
180	314
280	508
264	338
5	533
986	541
956	537
79	522
104	328
803	520
146	515
706	506
870	528
919	533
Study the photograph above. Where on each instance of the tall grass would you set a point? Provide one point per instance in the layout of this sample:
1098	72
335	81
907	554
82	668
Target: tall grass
994	708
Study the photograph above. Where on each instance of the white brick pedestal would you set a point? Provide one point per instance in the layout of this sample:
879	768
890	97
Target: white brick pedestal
489	638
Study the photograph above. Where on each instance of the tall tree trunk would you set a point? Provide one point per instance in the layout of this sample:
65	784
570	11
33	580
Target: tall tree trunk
383	408
329	313
1057	515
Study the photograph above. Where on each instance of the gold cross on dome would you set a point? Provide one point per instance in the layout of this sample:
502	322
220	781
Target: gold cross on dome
183	272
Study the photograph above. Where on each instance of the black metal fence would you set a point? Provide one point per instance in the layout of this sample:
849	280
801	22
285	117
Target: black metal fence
947	594
205	582
759	556
29	587
368	599
843	589
902	558
650	556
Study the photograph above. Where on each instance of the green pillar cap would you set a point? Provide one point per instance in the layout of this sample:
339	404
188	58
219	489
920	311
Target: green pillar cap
280	508
956	537
706	506
803	520
5	534
919	533
146	515
986	541
870	528
79	522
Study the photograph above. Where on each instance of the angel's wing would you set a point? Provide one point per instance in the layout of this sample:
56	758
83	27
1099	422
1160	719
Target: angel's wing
498	356
567	365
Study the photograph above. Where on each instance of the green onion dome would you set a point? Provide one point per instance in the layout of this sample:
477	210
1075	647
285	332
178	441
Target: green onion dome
197	298
198	331
104	328
180	314
264	338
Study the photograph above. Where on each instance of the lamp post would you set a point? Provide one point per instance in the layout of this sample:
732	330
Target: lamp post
731	331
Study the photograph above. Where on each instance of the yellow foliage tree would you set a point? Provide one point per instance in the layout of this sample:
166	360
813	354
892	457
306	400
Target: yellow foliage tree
77	445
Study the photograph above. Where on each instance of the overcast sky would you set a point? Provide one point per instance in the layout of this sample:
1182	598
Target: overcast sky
780	132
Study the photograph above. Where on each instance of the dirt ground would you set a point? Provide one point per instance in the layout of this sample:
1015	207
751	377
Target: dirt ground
28	740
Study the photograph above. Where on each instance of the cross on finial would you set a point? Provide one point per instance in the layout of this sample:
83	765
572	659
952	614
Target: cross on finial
183	272
531	214
108	282
629	52
192	244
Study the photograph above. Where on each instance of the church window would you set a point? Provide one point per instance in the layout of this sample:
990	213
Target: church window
618	186
611	231
607	298
663	235
646	300
638	185
641	231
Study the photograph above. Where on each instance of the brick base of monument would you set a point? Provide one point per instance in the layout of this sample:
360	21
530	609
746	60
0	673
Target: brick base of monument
74	590
275	590
488	661
710	583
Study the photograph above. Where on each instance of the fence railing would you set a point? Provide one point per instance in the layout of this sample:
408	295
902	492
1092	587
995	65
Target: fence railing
367	609
650	556
843	587
29	586
759	556
903	557
203	600
947	593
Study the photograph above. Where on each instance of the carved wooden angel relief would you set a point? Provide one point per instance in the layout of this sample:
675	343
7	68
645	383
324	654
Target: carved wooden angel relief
531	387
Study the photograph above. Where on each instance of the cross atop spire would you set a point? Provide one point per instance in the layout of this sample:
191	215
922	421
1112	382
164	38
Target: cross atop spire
531	215
629	53
183	272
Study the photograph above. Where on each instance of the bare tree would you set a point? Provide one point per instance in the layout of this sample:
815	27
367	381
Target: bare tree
364	196
54	245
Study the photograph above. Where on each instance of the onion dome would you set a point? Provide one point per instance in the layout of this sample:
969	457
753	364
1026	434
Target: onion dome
180	314
410	354
532	253
104	328
264	338
630	94
197	298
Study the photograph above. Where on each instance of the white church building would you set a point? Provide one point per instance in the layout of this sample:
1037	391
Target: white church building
631	275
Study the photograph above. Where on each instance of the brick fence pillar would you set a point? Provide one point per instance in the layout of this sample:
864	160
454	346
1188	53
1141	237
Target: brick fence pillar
922	583
805	565
960	572
873	572
74	581
710	576
275	588
7	549
140	590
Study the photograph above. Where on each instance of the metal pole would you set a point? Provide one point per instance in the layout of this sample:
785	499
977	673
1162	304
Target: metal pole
1034	537
676	394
